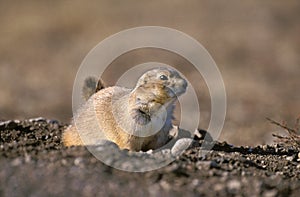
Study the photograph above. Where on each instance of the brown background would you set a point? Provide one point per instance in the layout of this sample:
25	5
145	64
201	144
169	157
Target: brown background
256	45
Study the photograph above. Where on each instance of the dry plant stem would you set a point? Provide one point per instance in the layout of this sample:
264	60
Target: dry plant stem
293	137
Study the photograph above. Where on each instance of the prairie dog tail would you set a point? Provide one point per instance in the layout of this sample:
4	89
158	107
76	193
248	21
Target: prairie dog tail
91	86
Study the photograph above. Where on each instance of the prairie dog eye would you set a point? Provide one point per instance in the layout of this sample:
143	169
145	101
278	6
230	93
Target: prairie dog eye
163	77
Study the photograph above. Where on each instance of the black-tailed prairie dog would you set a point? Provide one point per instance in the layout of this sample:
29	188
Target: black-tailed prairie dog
135	119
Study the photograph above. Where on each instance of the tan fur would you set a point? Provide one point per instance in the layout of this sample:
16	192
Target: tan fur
112	113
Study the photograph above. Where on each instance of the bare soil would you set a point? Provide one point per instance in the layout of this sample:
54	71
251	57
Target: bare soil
35	163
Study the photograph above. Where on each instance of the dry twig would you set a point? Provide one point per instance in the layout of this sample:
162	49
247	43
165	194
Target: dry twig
293	137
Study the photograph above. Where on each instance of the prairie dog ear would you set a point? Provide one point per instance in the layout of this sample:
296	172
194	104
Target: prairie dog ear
89	87
100	85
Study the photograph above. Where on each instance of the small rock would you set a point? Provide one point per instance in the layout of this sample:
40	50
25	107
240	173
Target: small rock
149	151
16	162
38	119
52	122
5	123
106	143
27	158
234	185
250	150
195	182
64	161
11	125
165	185
17	121
201	134
127	165
166	151
218	187
264	147
78	161
203	165
290	158
270	193
214	164
180	146
154	190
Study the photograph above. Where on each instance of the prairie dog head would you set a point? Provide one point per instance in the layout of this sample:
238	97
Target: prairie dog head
167	77
155	91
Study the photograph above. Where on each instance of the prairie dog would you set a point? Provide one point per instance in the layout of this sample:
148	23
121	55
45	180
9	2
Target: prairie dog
135	119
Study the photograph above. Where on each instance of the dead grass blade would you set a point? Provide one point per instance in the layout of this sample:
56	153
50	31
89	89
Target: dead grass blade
293	137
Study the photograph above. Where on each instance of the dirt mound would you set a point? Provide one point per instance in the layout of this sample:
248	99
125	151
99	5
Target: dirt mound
35	163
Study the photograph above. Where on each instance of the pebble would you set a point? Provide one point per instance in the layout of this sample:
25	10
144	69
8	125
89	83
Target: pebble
234	185
180	146
16	162
195	182
165	185
38	119
106	145
264	147
64	162
290	158
4	123
78	161
149	151
270	193
27	158
203	165
218	187
214	164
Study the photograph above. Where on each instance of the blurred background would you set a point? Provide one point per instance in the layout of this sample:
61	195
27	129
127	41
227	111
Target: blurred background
256	45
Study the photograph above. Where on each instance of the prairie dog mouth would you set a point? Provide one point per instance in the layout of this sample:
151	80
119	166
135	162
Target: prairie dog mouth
179	87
